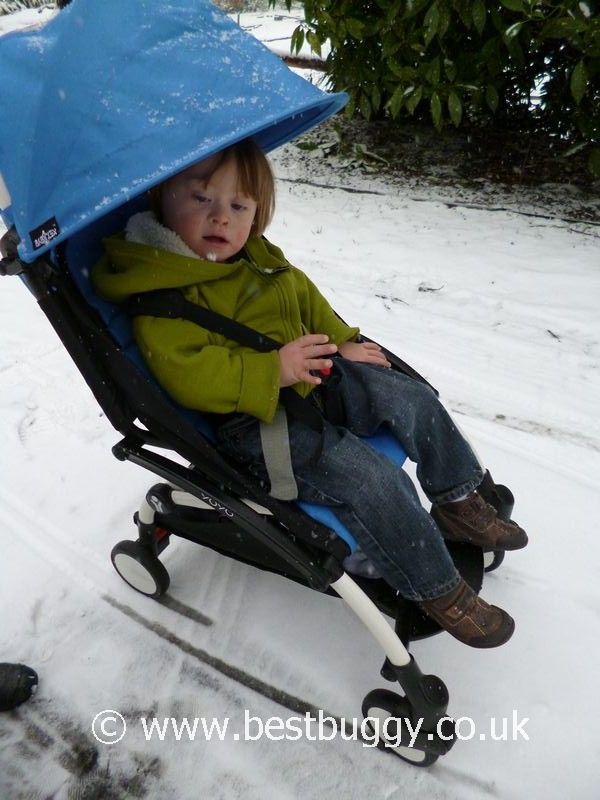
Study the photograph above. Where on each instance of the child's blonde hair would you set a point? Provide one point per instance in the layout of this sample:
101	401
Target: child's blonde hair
255	179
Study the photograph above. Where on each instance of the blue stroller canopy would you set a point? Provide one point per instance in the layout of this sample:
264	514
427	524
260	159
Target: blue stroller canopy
111	97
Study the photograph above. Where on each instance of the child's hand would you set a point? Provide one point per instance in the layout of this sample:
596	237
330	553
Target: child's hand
364	351
298	358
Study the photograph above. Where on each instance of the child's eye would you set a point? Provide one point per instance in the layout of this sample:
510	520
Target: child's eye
200	197
239	206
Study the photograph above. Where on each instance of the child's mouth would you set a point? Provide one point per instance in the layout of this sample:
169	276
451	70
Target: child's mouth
215	239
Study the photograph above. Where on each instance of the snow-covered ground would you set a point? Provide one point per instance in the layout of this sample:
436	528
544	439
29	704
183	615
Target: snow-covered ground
499	311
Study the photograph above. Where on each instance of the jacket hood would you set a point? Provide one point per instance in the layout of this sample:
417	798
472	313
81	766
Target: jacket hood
148	256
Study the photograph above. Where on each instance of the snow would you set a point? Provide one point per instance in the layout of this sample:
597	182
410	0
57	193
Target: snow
26	19
499	310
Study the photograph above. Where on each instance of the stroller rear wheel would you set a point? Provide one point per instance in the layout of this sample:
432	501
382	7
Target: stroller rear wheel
492	559
138	567
385	713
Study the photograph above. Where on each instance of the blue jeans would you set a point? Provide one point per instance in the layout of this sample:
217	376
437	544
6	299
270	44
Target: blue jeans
373	497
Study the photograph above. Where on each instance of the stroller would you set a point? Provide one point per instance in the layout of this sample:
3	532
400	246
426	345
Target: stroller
116	135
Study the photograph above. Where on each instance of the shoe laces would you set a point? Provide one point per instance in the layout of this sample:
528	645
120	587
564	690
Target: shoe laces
477	511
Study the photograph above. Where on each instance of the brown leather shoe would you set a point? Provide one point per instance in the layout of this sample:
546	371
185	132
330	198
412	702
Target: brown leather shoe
475	521
469	618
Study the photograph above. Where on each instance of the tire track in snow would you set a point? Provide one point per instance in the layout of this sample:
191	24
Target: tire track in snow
583	477
186	611
528	426
236	674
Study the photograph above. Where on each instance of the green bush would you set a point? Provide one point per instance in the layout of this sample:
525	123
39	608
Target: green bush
520	65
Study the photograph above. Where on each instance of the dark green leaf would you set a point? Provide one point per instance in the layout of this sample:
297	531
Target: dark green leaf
375	98
479	15
314	42
455	108
394	11
327	20
394	67
444	22
414	100
413	8
365	106
579	82
497	18
297	40
513	5
391	45
491	97
450	69
431	22
594	162
395	103
406	74
355	28
462	9
513	30
433	71
516	51
490	53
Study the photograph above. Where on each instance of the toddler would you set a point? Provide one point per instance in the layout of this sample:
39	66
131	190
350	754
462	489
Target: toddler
204	237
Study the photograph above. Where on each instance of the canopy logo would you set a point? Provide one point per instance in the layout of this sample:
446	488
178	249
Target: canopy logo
45	233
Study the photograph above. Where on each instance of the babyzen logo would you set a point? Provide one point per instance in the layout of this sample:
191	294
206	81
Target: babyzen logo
47	231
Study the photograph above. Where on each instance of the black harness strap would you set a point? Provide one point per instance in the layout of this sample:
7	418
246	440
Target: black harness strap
172	304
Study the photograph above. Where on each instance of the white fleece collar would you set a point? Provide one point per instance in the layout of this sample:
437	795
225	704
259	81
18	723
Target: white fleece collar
144	228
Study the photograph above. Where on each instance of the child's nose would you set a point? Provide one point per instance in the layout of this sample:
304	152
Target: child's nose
219	212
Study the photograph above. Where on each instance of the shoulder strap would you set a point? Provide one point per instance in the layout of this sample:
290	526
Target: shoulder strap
171	303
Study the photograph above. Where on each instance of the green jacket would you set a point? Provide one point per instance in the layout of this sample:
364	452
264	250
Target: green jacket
201	369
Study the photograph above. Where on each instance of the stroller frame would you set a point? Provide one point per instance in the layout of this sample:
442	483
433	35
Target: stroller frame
213	503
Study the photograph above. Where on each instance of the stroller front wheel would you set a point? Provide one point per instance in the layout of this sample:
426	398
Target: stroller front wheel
138	567
385	713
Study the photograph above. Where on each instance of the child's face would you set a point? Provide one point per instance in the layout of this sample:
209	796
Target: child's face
209	211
